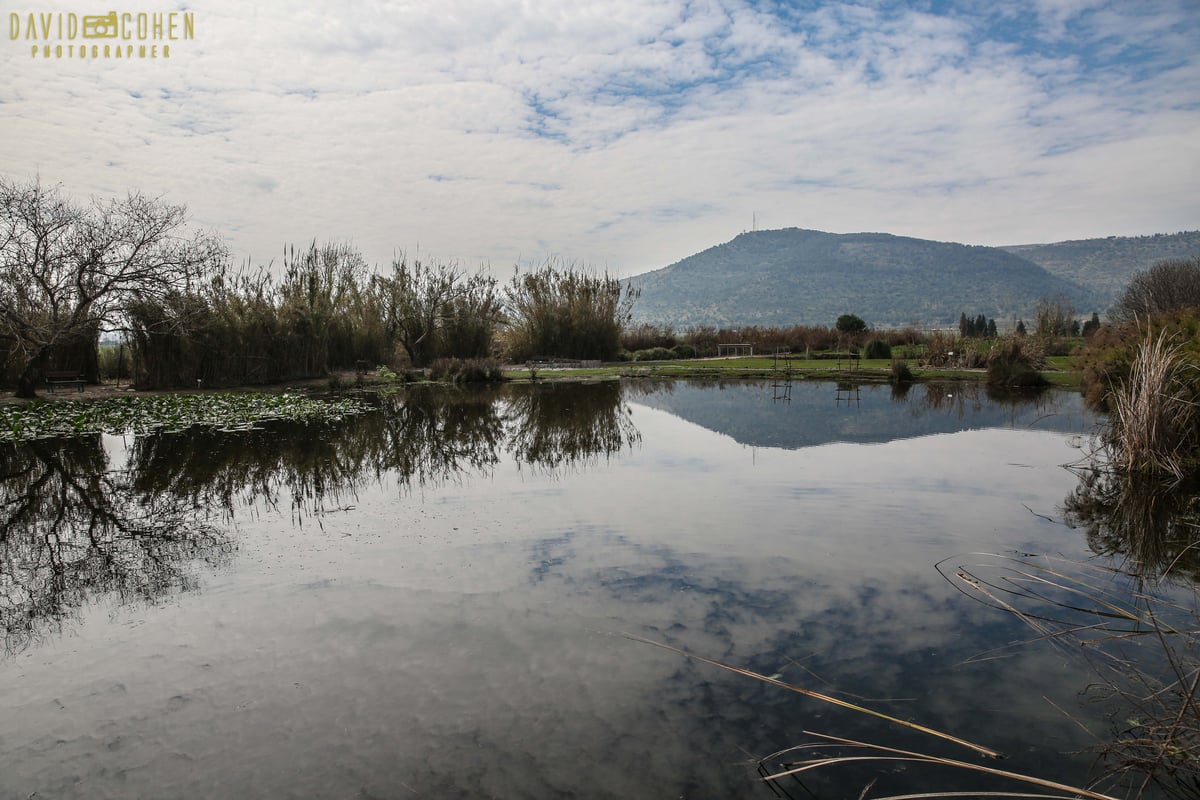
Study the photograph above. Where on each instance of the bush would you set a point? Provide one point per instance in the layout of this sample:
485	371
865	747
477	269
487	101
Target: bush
1107	359
901	374
466	370
765	340
684	351
1153	429
654	354
1168	286
646	336
1015	361
877	348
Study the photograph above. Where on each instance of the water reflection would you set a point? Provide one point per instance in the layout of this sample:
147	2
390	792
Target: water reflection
1152	527
545	428
76	527
452	641
73	527
866	413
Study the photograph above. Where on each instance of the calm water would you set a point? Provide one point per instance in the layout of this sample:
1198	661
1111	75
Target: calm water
427	600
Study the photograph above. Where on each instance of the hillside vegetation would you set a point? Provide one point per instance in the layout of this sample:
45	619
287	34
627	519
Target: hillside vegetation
797	276
1107	265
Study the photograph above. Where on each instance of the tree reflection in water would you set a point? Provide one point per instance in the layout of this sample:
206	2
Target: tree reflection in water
71	528
74	527
544	430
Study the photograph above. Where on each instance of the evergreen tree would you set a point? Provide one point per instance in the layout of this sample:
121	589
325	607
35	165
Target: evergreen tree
1020	327
991	328
981	325
962	325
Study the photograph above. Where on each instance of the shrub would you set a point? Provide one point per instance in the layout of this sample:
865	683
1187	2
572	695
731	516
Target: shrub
646	336
901	374
877	348
1107	359
942	349
704	338
1167	286
684	351
654	354
466	370
1015	361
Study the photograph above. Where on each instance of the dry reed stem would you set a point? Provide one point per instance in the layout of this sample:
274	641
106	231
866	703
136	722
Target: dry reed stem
897	755
1152	416
1165	745
819	696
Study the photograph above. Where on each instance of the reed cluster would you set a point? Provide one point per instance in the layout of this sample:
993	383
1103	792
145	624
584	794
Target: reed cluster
564	310
1153	427
249	327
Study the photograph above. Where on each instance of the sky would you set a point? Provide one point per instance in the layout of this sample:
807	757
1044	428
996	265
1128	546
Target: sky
620	134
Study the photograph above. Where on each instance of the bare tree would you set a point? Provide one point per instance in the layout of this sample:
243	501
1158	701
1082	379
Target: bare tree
65	269
419	301
1054	316
1167	286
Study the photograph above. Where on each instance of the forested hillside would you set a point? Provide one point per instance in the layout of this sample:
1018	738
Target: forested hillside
797	276
1106	265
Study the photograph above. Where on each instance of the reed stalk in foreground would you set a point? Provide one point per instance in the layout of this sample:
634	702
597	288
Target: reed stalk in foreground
1062	602
823	697
1157	742
1153	425
880	753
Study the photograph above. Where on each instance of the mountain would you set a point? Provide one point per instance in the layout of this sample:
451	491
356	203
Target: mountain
1107	265
796	276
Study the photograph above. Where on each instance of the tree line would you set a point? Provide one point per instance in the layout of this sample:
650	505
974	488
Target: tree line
69	270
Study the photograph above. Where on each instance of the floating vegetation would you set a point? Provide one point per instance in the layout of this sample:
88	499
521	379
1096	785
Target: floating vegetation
169	413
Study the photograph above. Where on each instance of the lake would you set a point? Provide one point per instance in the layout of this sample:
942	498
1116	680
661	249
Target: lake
430	599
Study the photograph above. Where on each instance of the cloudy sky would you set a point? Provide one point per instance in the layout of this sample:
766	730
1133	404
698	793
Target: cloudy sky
625	134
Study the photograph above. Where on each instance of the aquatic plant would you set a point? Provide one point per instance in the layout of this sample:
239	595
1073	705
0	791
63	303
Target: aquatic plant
235	411
1153	425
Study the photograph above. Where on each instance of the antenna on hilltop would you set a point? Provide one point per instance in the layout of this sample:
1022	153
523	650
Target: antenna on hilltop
754	220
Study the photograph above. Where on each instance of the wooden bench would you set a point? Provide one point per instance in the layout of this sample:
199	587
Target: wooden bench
64	377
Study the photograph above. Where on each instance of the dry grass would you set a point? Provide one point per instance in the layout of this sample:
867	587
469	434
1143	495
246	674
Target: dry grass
865	753
1084	608
1153	424
1095	611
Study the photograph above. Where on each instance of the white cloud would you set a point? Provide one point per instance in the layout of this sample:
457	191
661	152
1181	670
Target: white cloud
630	134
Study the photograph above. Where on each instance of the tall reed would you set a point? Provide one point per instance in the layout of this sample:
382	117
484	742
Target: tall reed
1153	425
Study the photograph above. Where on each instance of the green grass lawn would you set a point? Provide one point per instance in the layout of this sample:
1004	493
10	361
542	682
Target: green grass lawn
1059	370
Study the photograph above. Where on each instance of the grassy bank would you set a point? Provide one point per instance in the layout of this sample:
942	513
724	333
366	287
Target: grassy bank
1059	372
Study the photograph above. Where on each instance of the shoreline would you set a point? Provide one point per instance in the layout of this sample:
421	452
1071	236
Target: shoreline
690	369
